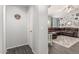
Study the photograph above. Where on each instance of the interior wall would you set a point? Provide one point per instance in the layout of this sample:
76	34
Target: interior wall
1	28
40	29
16	29
43	29
35	30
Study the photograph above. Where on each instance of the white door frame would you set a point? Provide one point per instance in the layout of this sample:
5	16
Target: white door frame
4	31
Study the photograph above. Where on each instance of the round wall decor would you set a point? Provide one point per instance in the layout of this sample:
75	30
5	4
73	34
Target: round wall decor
17	16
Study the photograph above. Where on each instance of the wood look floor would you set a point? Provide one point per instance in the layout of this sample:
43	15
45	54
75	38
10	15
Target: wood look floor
20	50
57	49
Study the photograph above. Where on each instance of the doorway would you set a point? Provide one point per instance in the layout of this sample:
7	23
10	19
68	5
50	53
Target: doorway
17	29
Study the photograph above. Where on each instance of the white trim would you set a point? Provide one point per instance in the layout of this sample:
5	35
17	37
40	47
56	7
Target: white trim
4	30
16	46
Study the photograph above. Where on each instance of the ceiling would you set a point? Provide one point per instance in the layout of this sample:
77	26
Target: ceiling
58	10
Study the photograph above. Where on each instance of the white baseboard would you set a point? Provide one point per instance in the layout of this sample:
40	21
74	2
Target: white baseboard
21	45
16	46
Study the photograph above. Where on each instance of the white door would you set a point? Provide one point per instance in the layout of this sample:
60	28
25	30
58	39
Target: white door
16	28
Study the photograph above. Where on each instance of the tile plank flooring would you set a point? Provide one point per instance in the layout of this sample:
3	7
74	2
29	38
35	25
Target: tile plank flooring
57	49
20	50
